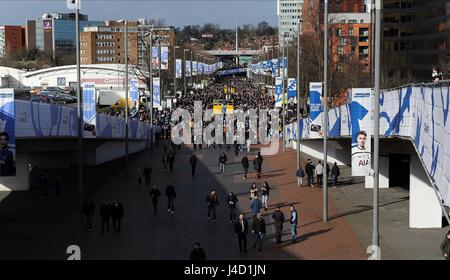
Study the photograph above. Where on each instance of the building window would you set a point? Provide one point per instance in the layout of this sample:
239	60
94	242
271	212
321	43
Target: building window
342	41
340	50
338	31
350	31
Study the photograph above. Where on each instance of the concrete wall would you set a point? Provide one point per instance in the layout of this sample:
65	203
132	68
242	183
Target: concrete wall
336	152
424	208
383	175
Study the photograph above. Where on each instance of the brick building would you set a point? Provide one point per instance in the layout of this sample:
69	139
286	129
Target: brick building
12	39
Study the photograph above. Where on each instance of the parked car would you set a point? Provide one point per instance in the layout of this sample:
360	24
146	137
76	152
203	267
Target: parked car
51	97
67	98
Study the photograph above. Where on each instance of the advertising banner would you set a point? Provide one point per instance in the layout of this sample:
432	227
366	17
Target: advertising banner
134	98
188	68
164	58
361	118
156	93
7	133
278	92
155	58
178	68
194	68
292	88
315	107
89	110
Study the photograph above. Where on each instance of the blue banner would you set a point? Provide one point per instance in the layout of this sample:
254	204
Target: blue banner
89	109
156	93
164	58
179	69
279	92
7	133
292	88
188	68
315	108
134	98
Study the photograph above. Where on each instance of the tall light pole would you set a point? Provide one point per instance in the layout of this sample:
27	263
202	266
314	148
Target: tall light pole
150	87
184	72
125	22
376	129
283	93
325	111
79	108
298	92
175	69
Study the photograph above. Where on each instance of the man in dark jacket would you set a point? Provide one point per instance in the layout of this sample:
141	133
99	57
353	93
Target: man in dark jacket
445	247
213	203
278	218
232	200
171	195
300	175
245	165
259	229
197	254
309	169
241	229
117	215
335	172
193	162
105	213
155	194
165	161
171	158
222	162
257	163
88	210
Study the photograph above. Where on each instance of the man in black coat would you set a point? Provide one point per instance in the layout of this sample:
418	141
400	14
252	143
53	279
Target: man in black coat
245	165
105	213
88	210
117	213
222	162
241	229
279	219
155	194
232	200
309	169
259	229
197	254
171	157
335	172
257	163
213	203
193	162
171	195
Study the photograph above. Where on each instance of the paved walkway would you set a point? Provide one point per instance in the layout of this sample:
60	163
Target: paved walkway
165	236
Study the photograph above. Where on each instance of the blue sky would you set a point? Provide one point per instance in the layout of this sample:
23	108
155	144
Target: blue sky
175	12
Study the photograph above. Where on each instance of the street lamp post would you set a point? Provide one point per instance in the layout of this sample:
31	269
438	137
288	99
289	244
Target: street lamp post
184	72
126	98
79	109
283	94
298	92
174	70
325	112
376	129
150	87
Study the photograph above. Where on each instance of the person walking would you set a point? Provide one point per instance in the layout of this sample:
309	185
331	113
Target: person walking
293	221
445	246
193	162
253	191
197	254
58	184
309	169
245	165
278	218
155	194
232	200
241	229
105	213
117	213
213	203
147	174
265	191
256	205
140	173
44	182
222	162
257	163
236	148
88	210
171	195
249	143
171	158
259	229
300	175
335	173
165	161
319	174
